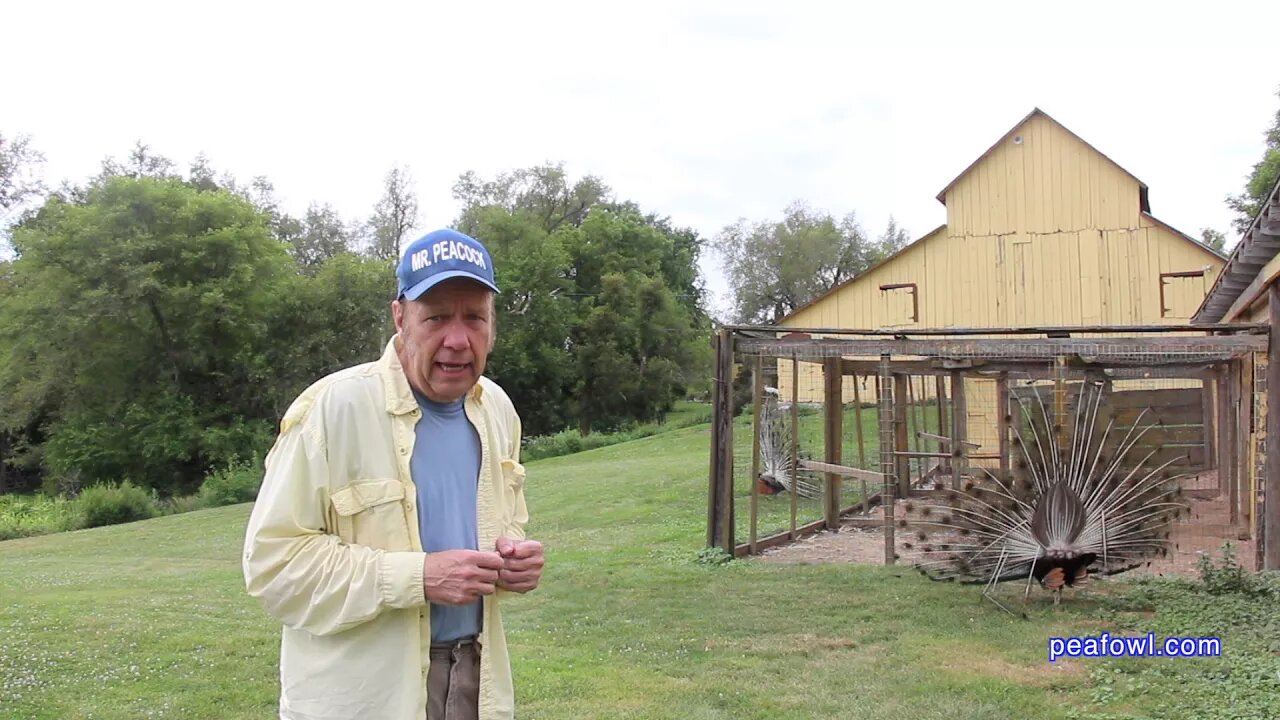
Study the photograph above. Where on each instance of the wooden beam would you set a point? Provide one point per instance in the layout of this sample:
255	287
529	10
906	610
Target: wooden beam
816	466
857	419
942	455
1003	417
1240	412
947	440
1210	449
888	464
1245	488
833	440
795	441
720	491
910	425
900	436
1031	330
959	429
1252	293
1036	368
757	395
1229	452
1271	489
1213	346
941	391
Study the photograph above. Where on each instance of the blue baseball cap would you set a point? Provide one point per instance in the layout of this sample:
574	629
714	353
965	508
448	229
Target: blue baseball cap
440	255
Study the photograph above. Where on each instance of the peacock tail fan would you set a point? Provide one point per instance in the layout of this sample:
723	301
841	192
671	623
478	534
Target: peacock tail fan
1086	494
780	469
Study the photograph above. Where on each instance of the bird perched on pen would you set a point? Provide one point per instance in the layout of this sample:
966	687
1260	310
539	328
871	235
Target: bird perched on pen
1084	496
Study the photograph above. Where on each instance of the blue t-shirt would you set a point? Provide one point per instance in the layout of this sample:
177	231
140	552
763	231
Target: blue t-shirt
446	469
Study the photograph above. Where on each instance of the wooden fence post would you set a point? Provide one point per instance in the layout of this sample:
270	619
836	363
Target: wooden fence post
833	385
757	393
959	429
720	493
901	442
888	461
1271	491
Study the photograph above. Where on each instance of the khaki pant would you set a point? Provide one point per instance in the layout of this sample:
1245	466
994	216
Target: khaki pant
453	682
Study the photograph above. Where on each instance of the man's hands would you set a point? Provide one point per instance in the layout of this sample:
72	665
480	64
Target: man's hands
459	577
522	564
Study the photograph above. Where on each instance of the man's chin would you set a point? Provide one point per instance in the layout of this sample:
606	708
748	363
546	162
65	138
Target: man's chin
450	389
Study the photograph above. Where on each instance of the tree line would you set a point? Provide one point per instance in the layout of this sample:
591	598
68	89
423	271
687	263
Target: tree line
155	323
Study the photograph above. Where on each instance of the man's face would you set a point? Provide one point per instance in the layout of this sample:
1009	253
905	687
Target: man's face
445	338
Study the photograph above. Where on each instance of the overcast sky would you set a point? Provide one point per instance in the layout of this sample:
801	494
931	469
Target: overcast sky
703	111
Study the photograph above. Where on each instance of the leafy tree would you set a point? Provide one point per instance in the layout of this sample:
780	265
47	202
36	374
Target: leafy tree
319	236
154	327
19	178
328	318
133	338
1261	180
633	340
601	304
542	192
775	267
201	174
535	314
893	239
1214	239
394	216
141	163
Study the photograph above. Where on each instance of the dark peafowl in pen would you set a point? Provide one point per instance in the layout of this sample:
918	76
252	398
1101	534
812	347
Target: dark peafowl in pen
1084	496
779	467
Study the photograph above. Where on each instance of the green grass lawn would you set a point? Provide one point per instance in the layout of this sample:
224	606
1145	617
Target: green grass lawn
151	620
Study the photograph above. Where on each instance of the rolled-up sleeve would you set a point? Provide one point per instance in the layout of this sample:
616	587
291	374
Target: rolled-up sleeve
306	577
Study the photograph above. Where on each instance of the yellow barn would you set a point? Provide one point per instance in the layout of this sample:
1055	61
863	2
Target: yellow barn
1042	230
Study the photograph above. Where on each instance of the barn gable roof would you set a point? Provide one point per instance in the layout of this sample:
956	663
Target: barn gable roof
1142	187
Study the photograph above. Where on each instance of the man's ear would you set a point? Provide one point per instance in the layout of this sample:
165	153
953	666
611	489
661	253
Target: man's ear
397	314
493	320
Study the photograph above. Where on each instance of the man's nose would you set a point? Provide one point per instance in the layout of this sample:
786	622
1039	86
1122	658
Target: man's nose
455	336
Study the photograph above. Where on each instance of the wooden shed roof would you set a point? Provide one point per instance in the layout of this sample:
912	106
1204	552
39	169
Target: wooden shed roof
1239	284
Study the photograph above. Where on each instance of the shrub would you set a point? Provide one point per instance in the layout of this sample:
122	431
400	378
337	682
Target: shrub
180	504
1228	577
568	442
229	486
115	504
29	515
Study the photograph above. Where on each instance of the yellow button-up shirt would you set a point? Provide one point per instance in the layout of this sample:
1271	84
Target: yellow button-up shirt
332	547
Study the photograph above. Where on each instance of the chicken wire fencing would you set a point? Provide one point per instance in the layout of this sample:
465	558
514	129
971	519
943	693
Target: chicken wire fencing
838	446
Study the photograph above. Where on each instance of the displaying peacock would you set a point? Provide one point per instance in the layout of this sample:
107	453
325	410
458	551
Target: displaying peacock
1084	496
779	466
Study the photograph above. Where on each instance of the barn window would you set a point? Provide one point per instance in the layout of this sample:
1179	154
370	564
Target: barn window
902	303
1181	293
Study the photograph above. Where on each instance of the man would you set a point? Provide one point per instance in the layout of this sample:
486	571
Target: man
391	516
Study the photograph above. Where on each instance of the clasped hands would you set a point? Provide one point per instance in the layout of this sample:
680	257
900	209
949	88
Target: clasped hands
458	577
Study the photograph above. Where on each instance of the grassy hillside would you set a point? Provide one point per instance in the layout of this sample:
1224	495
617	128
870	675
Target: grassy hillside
150	620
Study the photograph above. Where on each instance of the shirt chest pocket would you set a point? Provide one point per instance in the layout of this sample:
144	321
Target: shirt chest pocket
514	515
372	513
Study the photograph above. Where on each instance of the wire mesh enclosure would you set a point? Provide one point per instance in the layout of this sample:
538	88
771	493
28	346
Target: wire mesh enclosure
1147	444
